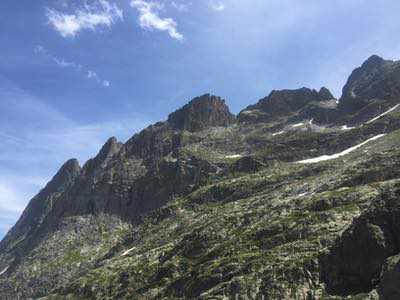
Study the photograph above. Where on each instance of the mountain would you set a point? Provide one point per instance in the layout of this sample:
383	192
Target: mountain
283	103
296	197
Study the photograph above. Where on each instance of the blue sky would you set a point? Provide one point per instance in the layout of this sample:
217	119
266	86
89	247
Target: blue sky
73	73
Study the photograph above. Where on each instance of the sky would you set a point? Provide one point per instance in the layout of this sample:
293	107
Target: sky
73	73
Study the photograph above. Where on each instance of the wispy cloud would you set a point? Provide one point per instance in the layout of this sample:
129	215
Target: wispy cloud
149	18
89	17
62	63
9	200
216	5
181	6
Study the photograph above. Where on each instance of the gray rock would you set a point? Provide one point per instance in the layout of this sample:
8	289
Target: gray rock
389	286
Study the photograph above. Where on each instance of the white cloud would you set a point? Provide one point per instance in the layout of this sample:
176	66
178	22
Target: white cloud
91	74
65	64
180	6
9	200
149	18
217	5
39	49
99	13
62	63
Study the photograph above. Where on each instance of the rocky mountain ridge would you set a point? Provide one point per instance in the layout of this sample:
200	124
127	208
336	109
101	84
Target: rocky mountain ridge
209	205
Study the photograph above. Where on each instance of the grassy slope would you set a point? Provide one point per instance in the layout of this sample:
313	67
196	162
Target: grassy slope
247	234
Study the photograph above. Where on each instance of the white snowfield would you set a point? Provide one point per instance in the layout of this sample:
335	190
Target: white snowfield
297	125
278	133
383	114
4	271
234	156
337	155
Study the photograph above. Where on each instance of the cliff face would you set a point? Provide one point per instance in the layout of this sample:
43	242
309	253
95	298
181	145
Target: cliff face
376	78
201	113
294	198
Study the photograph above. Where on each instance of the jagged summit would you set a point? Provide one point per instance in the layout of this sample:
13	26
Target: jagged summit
201	112
375	78
325	94
283	103
374	61
69	170
109	149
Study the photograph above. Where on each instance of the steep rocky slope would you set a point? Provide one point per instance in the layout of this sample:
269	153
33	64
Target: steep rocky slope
295	198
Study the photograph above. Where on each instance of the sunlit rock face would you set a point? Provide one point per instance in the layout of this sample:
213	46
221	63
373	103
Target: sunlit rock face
200	113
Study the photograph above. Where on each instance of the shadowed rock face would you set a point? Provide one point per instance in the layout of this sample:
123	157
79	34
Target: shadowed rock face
354	263
389	287
375	79
107	152
325	94
200	113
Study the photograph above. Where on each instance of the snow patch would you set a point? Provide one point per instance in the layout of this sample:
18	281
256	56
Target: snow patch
4	271
345	127
234	156
278	133
383	114
297	125
311	121
128	251
247	112
337	155
302	194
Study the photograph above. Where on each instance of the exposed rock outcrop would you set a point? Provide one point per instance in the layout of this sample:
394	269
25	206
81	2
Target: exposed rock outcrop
248	164
389	287
355	261
107	152
282	103
371	90
325	94
375	79
200	113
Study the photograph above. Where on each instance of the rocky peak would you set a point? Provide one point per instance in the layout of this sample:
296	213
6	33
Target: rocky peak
200	113
325	94
109	149
376	78
67	173
373	61
283	103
